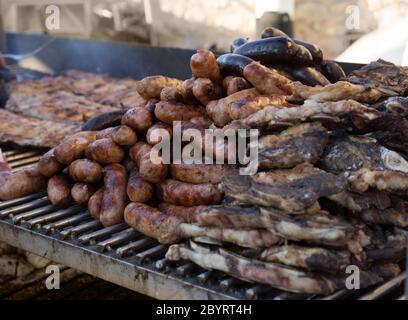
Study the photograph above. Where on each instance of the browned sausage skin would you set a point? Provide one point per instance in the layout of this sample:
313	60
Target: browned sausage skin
205	90
171	94
200	173
74	147
48	165
204	65
95	203
187	91
187	214
139	119
59	190
157	131
168	112
85	170
233	84
21	183
139	190
114	196
121	135
188	194
150	171
151	87
152	223
105	151
82	192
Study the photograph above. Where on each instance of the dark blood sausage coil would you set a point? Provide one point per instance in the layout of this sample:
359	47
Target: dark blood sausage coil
59	190
308	76
74	147
204	65
188	194
85	170
332	71
139	190
48	165
150	171
138	118
232	64
104	120
314	50
82	192
114	195
122	135
237	43
153	223
105	151
21	183
95	202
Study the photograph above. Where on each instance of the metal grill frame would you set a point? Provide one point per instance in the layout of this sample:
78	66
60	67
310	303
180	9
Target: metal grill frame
121	255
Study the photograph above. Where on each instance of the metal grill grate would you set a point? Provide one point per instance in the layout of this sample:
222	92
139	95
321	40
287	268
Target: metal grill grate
123	256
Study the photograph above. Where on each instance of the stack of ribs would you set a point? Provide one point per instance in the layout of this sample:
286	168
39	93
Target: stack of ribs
331	181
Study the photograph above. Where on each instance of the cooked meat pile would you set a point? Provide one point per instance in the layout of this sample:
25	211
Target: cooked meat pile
330	189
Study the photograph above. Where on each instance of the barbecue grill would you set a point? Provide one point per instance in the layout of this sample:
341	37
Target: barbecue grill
118	253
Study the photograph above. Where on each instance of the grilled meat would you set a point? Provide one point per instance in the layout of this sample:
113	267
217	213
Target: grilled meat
358	202
294	190
296	145
27	131
382	75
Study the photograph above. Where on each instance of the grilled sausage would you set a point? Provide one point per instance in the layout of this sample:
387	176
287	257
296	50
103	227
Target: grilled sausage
232	64
199	173
187	91
151	87
272	32
105	151
175	111
20	183
157	131
48	165
139	119
332	71
187	214
122	135
188	194
95	202
82	192
150	171
74	147
233	84
203	64
152	223
85	170
114	195
171	94
237	43
59	190
139	190
205	90
276	50
104	120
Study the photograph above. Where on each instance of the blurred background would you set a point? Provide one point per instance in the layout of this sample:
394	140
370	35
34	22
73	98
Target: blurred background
347	30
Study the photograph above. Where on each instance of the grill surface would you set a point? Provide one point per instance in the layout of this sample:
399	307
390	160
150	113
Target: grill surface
125	257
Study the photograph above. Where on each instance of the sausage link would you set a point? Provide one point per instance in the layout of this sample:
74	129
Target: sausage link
152	223
74	147
139	190
171	94
121	135
95	203
149	170
233	84
157	131
175	111
205	90
203	64
139	119
85	170
187	214
59	190
200	173
114	196
187	91
48	165
20	183
105	151
151	87
82	192
188	194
